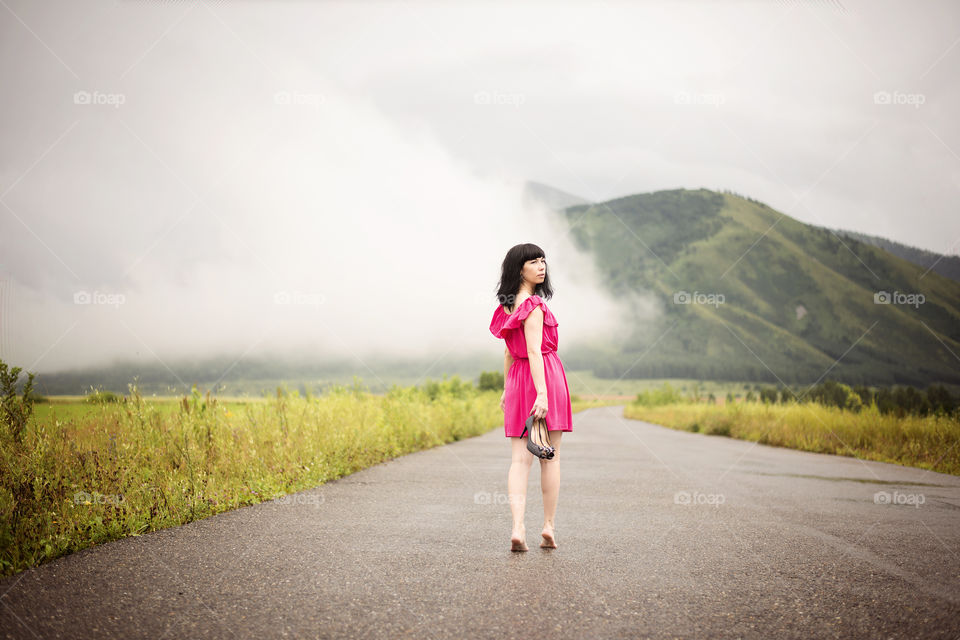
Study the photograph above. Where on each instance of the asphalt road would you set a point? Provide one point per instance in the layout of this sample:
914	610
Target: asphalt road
661	534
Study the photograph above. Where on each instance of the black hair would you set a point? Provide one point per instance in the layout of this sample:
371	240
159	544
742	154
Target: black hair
510	271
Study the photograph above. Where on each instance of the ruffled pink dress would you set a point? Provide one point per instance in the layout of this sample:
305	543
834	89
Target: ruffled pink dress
520	392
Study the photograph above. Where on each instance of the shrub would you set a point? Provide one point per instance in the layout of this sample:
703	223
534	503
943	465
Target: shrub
99	396
835	394
656	397
768	395
15	412
909	400
491	381
785	393
867	397
940	400
453	387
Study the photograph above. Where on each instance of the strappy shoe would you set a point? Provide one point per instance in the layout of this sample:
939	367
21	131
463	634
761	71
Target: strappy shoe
538	442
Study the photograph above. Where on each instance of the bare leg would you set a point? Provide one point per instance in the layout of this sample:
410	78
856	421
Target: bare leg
521	459
550	483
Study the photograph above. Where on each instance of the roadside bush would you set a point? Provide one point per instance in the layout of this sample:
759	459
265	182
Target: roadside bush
15	412
453	387
656	397
98	396
835	394
491	381
768	395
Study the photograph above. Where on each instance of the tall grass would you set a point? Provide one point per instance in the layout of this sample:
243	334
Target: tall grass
928	442
117	469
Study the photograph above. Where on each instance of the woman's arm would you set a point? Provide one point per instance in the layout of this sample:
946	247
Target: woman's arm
533	332
507	363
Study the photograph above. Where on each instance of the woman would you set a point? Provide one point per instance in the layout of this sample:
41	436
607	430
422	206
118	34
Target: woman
534	381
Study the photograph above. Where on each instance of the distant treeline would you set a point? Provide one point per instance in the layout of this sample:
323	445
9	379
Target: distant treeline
898	400
678	364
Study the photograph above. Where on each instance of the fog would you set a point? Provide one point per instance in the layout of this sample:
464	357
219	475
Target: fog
191	179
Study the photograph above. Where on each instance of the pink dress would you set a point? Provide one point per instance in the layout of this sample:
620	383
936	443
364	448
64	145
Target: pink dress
519	388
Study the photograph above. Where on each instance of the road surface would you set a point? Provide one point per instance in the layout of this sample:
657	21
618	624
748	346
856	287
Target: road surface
660	533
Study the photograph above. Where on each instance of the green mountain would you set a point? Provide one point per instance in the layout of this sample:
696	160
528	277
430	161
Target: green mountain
752	294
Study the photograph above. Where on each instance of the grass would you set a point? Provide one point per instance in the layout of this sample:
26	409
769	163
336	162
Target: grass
928	442
88	473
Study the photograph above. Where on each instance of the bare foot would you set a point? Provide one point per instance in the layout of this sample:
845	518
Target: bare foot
518	542
548	541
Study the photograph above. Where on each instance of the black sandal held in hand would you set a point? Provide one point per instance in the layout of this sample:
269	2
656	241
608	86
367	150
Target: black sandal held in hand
538	442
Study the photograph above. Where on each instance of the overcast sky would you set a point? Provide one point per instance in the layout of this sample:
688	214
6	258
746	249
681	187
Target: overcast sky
261	177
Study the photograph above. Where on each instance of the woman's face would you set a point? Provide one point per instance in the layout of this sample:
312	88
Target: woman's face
535	270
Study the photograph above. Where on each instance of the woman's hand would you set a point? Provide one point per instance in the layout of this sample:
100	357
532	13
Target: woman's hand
503	402
539	406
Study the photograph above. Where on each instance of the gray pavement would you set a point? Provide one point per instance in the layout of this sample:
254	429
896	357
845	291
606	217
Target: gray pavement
661	534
